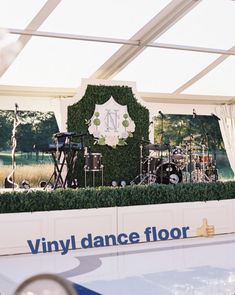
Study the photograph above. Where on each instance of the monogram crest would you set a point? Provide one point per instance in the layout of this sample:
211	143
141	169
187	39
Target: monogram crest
111	123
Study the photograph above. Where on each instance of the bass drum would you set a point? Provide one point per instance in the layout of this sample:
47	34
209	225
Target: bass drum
168	173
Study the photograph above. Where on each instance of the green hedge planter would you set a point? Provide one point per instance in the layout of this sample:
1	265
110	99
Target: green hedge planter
112	197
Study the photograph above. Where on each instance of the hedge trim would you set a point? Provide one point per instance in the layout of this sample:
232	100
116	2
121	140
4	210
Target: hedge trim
31	201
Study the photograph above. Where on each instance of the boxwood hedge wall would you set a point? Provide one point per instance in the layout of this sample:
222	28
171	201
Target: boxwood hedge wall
122	162
110	197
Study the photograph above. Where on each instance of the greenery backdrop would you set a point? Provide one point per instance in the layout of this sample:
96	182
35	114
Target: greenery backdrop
121	163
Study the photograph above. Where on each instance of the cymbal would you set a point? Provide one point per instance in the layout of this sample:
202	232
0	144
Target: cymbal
192	137
157	147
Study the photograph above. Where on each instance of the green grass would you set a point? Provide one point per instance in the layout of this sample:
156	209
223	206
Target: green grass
33	173
27	167
24	158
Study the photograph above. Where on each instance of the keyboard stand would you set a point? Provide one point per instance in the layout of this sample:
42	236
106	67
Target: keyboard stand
64	160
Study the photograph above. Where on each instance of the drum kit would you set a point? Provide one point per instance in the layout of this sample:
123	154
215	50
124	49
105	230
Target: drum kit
165	164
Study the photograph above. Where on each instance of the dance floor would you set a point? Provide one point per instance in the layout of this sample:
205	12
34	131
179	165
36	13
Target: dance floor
190	266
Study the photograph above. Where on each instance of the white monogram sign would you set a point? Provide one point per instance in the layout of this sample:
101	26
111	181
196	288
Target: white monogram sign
111	123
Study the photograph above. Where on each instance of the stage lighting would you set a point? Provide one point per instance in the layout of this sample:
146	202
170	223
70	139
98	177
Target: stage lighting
25	184
42	183
114	183
123	183
49	284
8	182
45	184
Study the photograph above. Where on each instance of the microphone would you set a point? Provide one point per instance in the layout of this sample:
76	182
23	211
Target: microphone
194	114
215	117
163	116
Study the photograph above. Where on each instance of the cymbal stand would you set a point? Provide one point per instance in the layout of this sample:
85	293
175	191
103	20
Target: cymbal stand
197	173
141	178
146	178
203	157
208	158
161	143
214	164
190	147
207	142
148	170
187	164
190	155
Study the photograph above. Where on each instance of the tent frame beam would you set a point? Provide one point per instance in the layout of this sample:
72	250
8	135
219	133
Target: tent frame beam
152	97
121	41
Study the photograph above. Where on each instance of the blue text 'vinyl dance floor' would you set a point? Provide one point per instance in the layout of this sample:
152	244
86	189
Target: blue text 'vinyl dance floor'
190	266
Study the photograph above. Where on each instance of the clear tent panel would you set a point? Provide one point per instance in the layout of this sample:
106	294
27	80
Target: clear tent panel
103	18
219	81
18	14
62	63
52	62
210	24
164	70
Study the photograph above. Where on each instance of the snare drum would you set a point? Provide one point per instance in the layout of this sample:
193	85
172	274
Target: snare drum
93	162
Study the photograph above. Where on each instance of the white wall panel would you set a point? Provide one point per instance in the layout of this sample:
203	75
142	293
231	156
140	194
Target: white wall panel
218	213
169	221
98	222
17	228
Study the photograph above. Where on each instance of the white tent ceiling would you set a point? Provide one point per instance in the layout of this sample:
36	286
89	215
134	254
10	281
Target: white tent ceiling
176	51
